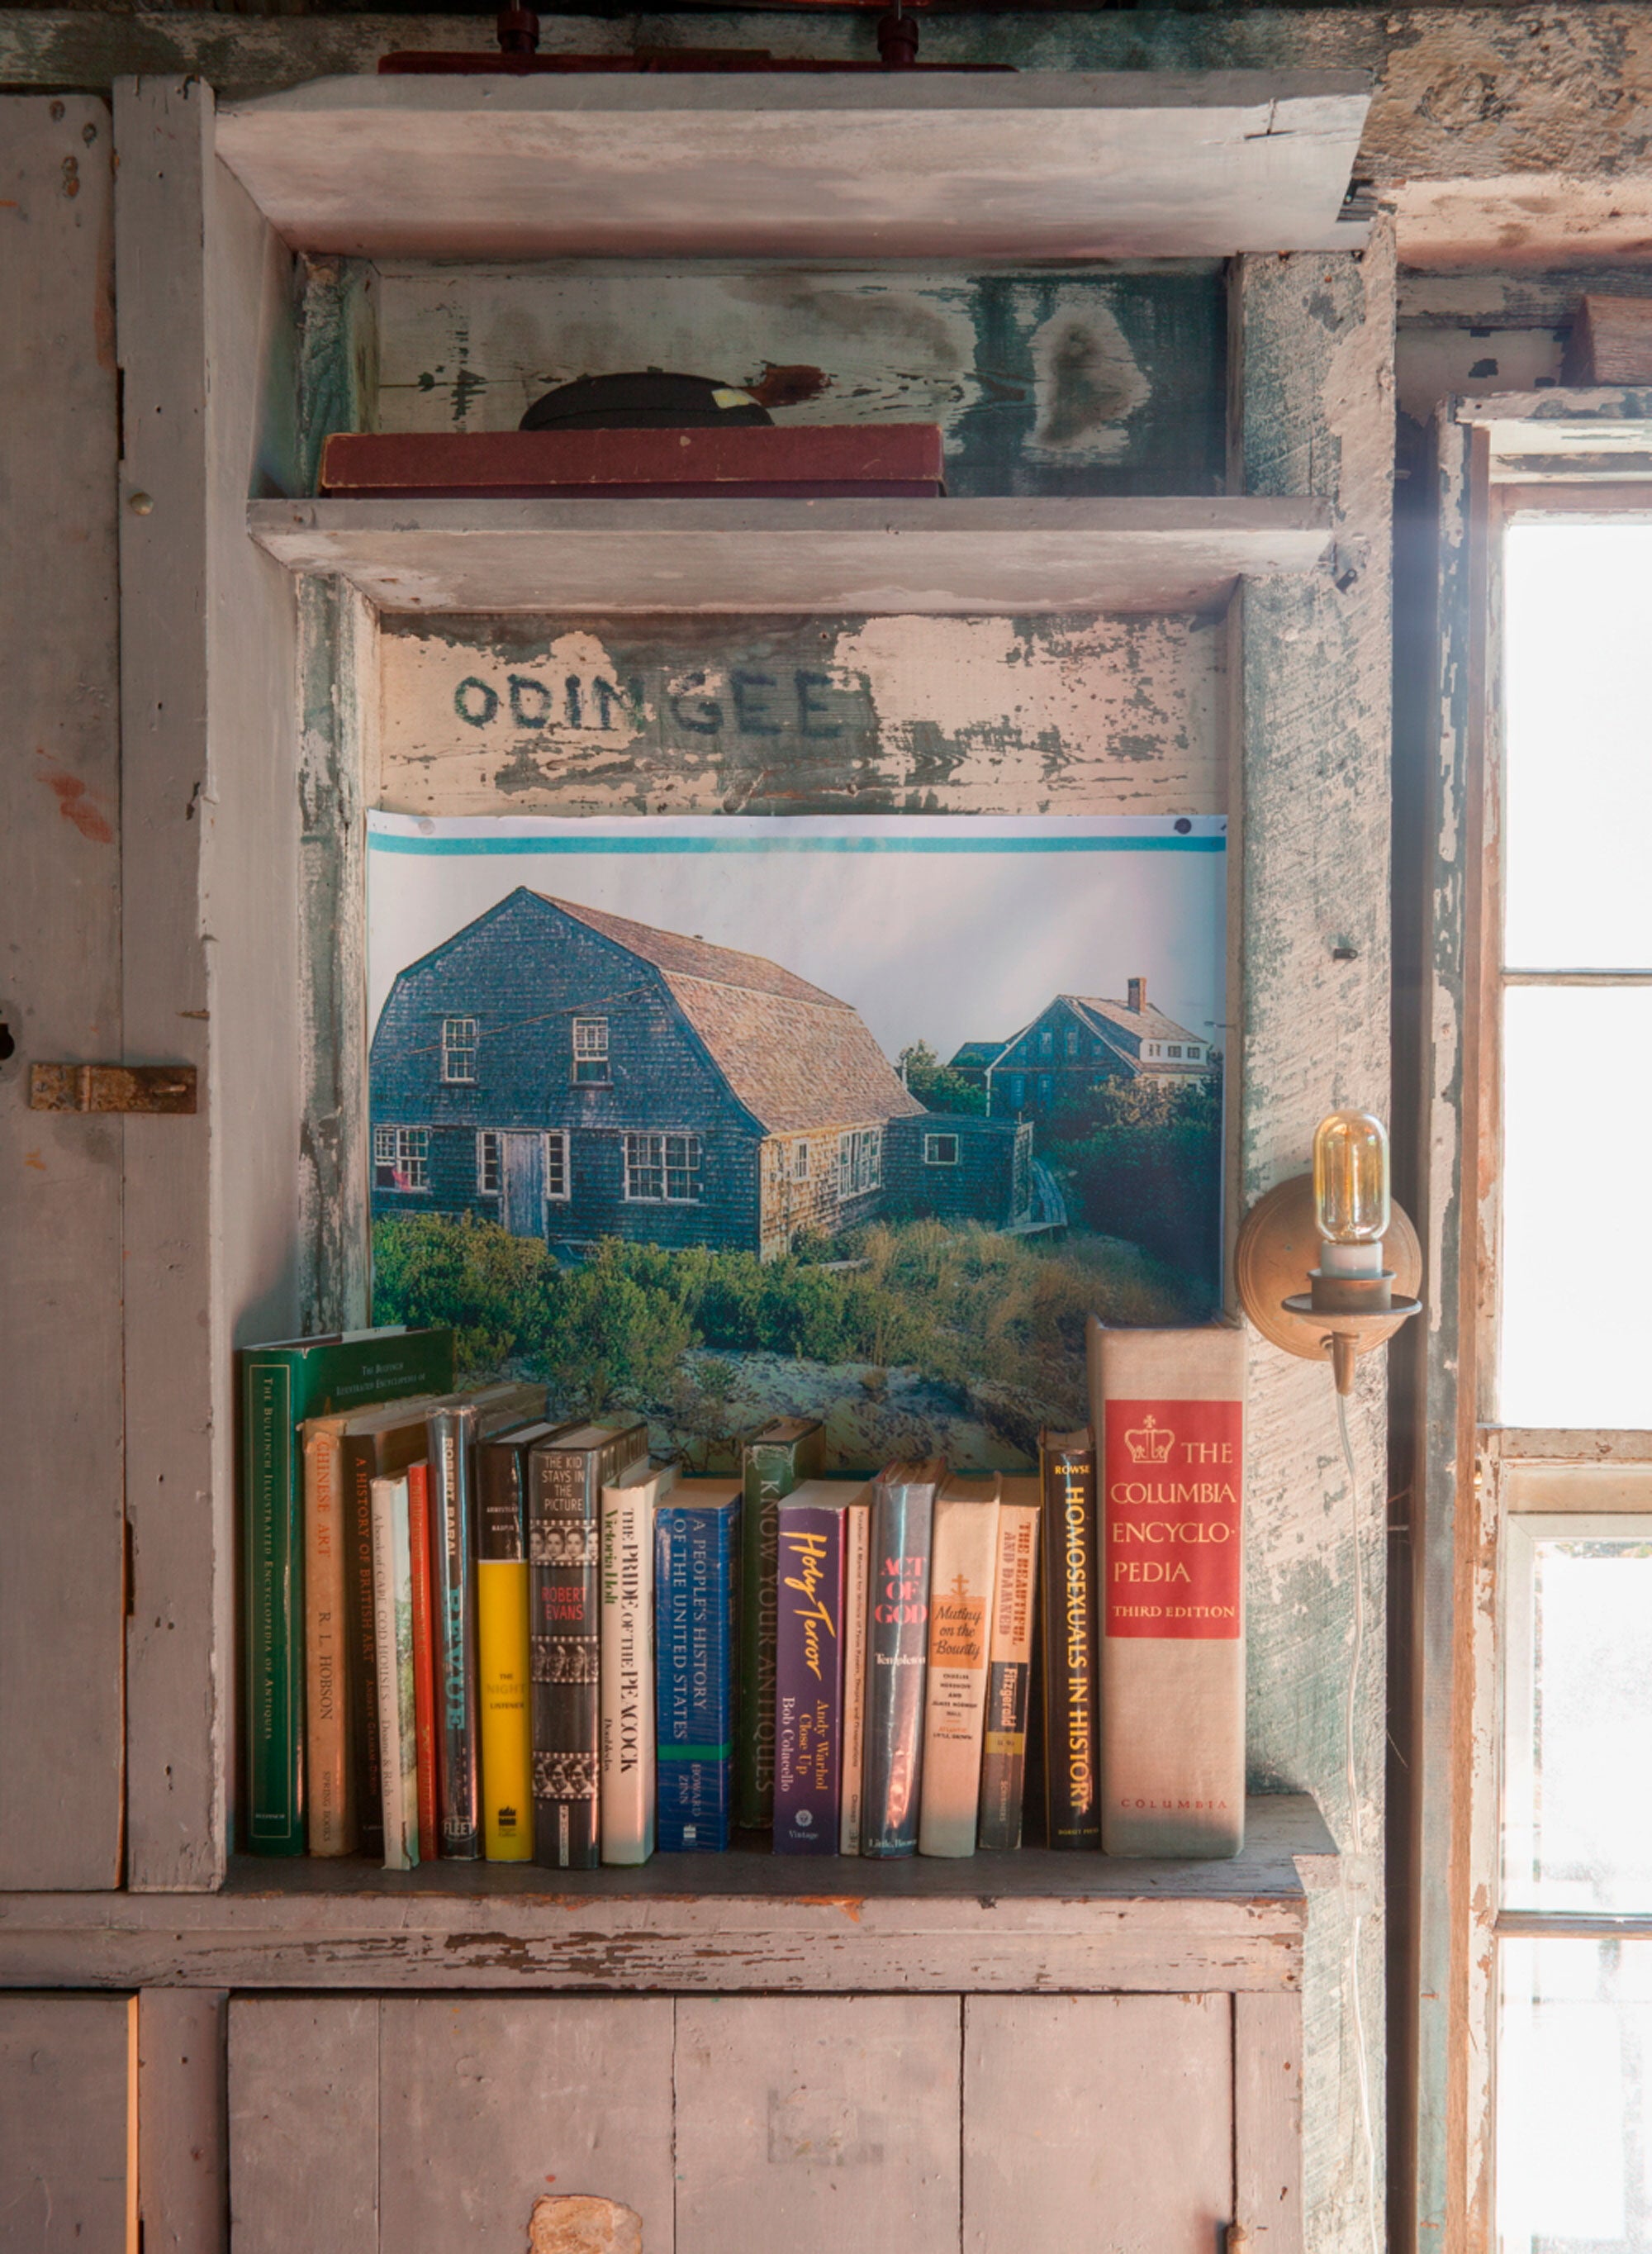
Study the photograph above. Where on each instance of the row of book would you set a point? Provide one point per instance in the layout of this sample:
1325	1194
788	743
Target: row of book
471	1631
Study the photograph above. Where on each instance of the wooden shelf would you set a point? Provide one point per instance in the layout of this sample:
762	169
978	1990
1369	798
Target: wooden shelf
844	556
716	1922
1028	164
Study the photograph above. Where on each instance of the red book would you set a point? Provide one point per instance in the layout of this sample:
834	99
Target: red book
423	1661
876	461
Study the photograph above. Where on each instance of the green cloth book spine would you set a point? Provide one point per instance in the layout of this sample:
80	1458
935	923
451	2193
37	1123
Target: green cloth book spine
282	1385
776	1459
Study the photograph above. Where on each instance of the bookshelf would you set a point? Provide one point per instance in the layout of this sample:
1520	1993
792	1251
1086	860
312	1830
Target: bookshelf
249	692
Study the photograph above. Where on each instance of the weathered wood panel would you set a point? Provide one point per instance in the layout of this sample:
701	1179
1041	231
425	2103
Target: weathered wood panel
303	2125
1312	360
1085	381
783	715
63	2122
210	928
182	2149
837	2120
1097	2120
1267	2121
486	2104
60	1502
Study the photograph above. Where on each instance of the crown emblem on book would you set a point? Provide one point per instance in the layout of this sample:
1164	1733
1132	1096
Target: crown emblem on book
1150	1443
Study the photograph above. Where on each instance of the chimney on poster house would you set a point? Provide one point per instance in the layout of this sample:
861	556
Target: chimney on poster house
1137	992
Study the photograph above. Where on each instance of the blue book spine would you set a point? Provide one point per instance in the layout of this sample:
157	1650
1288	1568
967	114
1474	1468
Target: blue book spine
696	1564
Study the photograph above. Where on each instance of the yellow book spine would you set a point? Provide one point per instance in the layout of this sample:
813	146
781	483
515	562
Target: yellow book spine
507	1756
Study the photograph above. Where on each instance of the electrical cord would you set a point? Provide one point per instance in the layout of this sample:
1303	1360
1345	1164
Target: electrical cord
1357	1829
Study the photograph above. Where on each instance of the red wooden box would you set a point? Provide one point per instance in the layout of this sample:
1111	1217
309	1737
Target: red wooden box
877	461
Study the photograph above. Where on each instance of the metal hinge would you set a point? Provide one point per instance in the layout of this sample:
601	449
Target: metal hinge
111	1087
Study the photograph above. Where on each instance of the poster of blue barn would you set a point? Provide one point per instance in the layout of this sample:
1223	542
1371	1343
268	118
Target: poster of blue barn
726	1118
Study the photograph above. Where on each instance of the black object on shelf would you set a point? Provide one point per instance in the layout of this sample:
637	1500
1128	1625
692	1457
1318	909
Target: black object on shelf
645	399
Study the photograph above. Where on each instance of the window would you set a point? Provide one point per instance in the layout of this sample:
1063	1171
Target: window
1017	1091
557	1174
490	1163
860	1161
800	1162
1196	1053
940	1150
1045	1091
590	1049
401	1158
662	1169
1046	1043
458	1050
1153	1048
1072	1043
1173	1049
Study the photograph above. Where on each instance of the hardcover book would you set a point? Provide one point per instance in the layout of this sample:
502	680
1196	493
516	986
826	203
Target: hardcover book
280	1386
329	1817
857	1557
898	1647
964	1559
1010	1667
377	1443
811	1576
776	1459
393	1605
696	1550
567	1474
626	1788
503	1663
424	1705
454	1430
1170	1408
1072	1738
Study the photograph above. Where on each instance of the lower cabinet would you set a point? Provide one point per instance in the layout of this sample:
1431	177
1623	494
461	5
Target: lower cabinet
65	2072
735	2124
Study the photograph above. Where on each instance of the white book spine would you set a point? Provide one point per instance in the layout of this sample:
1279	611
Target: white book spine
626	1782
857	1564
961	1575
392	1652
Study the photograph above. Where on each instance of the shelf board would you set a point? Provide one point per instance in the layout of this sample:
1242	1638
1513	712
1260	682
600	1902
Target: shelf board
1010	1923
859	558
1025	165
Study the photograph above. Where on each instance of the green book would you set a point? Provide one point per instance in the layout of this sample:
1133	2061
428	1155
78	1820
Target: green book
279	1387
777	1458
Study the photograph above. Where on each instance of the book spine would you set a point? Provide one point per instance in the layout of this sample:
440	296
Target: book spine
771	1472
563	1570
393	1630
1170	1407
1071	1736
694	1597
897	1644
330	1810
503	1660
357	1466
423	1660
627	1784
857	1521
808	1733
955	1691
454	1600
273	1627
1009	1678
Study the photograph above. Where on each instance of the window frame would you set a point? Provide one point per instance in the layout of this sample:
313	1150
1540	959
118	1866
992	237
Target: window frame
930	1143
484	1137
593	1066
693	1165
401	1149
452	1048
555	1138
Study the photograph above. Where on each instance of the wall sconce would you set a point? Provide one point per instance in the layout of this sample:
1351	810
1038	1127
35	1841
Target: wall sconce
1370	1260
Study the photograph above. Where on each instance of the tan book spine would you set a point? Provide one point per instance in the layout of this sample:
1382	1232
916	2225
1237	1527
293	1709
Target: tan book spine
1009	1666
331	1827
1169	1408
857	1567
965	1560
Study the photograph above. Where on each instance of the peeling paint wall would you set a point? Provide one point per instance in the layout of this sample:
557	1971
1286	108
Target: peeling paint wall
1102	381
789	716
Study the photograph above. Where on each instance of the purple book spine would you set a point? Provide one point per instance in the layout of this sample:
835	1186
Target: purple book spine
808	1768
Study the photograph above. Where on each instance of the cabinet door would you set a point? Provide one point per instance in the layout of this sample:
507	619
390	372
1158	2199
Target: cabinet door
817	2121
424	2123
61	1622
63	2122
1098	2122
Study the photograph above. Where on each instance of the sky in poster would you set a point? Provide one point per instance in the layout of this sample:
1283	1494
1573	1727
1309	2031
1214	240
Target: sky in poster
935	928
